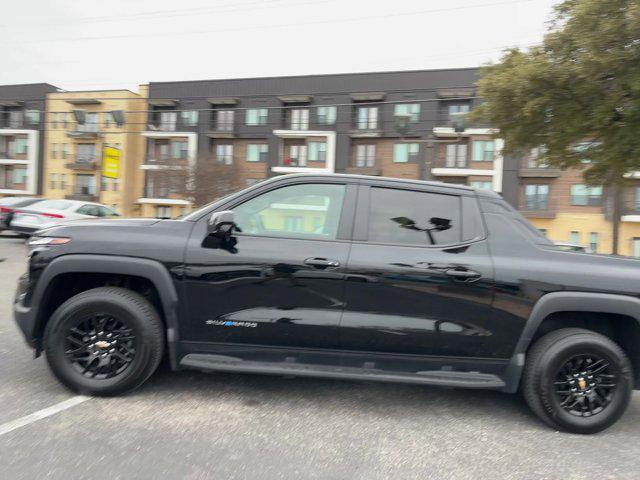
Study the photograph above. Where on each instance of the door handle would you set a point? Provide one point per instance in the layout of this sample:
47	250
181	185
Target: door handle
462	274
322	262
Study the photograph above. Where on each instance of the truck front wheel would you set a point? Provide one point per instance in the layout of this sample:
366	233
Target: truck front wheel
104	341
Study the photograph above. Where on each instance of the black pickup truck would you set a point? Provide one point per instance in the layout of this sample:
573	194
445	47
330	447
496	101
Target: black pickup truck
340	276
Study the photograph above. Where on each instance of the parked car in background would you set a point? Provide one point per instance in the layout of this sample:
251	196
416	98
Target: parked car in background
572	247
49	213
8	205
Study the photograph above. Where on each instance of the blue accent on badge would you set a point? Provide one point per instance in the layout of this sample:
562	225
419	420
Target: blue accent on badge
228	324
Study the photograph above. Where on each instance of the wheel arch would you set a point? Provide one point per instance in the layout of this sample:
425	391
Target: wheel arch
566	302
152	271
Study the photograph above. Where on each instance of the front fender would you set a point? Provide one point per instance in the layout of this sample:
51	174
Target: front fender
31	319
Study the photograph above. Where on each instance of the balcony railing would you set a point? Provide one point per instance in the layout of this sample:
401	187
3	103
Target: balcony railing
586	200
536	168
538	206
5	155
83	193
84	162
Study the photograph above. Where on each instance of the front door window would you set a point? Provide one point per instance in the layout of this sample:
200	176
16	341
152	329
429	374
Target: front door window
310	210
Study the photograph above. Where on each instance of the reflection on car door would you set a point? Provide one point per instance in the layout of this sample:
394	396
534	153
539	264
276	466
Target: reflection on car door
281	285
419	278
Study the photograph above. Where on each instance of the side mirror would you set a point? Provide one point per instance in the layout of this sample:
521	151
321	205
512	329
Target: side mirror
220	223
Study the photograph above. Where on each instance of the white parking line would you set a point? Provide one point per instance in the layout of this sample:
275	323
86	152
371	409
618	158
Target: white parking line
40	414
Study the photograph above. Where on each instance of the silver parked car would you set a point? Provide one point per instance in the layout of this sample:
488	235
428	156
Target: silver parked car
8	206
51	212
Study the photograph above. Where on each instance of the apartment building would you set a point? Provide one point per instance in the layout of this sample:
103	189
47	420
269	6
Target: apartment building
22	126
85	131
206	138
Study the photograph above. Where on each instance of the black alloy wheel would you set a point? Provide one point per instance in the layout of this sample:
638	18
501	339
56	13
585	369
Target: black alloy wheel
104	341
585	385
577	380
100	346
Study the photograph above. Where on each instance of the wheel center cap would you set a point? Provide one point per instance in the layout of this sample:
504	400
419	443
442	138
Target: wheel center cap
102	344
582	383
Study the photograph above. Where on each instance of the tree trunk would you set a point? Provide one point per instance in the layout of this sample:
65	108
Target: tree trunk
616	214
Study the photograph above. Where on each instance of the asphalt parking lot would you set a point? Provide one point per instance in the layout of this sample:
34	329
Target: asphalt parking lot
193	425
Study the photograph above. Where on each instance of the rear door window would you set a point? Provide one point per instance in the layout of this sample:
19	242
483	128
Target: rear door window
407	217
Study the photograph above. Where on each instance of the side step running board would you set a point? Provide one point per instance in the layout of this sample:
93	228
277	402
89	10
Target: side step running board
203	361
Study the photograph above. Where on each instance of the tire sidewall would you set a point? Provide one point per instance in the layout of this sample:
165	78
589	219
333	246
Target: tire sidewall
551	362
68	315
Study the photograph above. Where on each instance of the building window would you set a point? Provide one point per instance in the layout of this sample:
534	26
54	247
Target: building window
65	150
458	108
411	109
168	121
19	175
300	119
179	150
582	149
367	118
32	116
104	184
224	154
224	120
593	241
327	115
65	120
115	184
63	181
483	151
256	116
21	146
86	152
189	118
297	156
574	237
543	231
583	195
635	247
481	185
163	212
53	181
536	197
54	120
85	185
537	158
317	151
365	156
404	152
456	156
257	152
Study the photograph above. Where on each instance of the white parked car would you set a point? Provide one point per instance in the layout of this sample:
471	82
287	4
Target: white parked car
51	212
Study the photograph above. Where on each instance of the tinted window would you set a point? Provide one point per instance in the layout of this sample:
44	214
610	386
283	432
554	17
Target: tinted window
311	210
54	204
413	218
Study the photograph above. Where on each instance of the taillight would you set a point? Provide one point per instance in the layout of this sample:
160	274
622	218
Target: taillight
5	210
51	215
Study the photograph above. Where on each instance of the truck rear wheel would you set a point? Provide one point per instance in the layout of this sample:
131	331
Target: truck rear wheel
577	380
104	341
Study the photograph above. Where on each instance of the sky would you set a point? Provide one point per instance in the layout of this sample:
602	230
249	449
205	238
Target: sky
90	44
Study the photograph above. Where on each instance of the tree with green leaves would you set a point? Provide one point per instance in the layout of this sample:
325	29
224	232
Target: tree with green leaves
581	86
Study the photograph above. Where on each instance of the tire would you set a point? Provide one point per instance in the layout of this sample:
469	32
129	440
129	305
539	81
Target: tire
138	346
548	380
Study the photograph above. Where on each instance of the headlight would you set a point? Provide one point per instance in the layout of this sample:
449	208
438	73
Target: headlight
35	243
46	241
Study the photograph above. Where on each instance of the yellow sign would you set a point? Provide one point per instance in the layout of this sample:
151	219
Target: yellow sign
111	162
